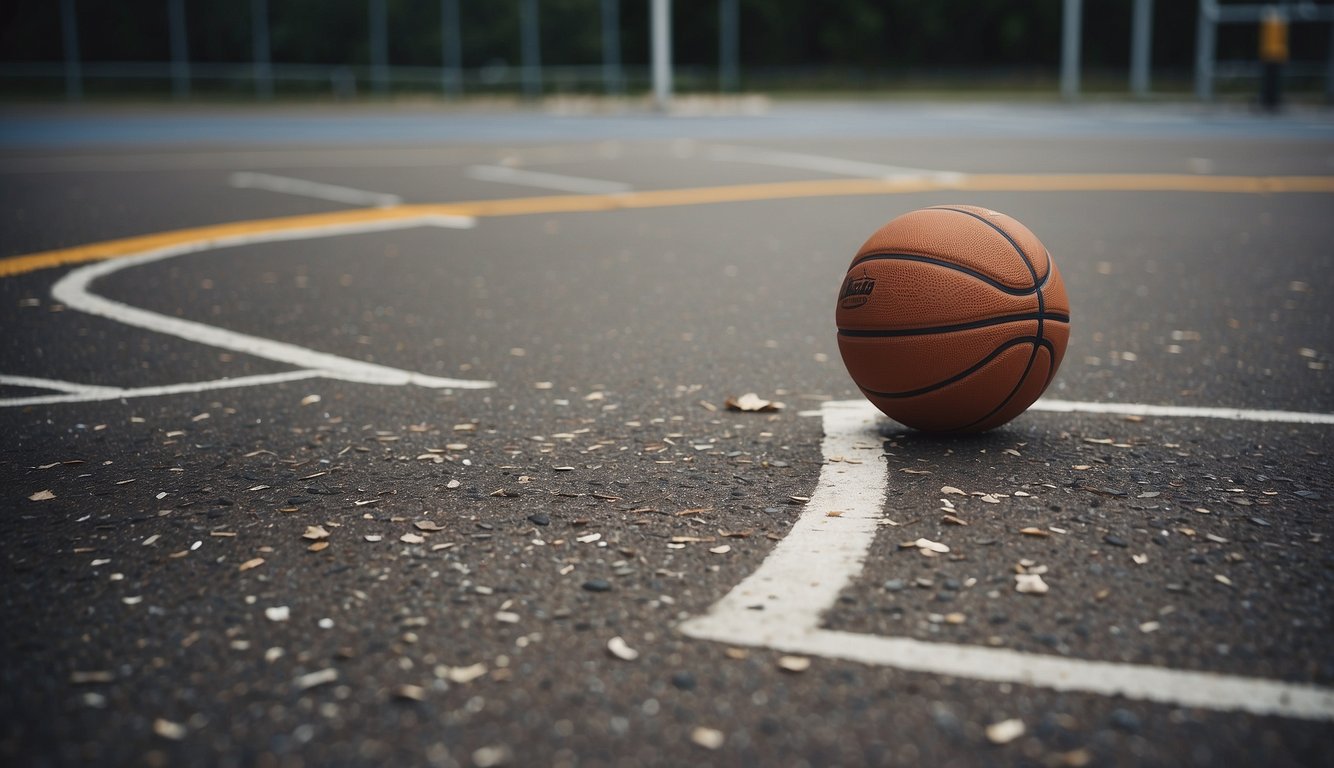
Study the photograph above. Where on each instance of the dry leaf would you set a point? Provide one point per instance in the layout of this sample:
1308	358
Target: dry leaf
620	649
411	538
409	692
949	489
318	546
794	663
752	403
251	563
315	533
1005	731
374	538
1030	584
461	675
709	738
1031	531
932	546
428	525
42	496
721	550
310	399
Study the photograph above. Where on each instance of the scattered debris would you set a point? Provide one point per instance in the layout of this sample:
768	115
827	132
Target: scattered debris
314	679
315	533
253	562
1005	731
620	649
411	538
42	496
278	613
1030	584
794	663
409	692
709	738
169	730
721	550
497	755
949	490
461	675
753	403
931	546
1031	531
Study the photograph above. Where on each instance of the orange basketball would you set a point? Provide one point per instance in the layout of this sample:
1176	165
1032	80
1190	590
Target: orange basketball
953	318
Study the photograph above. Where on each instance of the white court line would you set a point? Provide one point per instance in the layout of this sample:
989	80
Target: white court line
304	188
562	183
73	290
780	605
88	394
34	382
834	165
1168	411
1182	411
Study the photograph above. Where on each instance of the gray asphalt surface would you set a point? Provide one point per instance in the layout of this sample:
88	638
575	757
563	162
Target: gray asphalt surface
134	636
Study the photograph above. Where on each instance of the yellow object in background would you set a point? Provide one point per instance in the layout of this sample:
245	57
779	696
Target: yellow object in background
1273	37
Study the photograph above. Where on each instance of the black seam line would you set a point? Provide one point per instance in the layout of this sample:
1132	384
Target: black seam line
1004	320
1037	286
957	268
963	374
1032	358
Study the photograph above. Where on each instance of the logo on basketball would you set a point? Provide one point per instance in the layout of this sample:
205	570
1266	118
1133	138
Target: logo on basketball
856	291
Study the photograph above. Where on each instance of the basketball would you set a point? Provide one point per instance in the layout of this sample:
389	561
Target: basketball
953	318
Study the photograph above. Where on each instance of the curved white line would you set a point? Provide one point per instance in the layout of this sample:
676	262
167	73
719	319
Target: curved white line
73	290
95	394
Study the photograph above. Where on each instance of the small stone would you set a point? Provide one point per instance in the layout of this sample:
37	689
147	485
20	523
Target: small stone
894	585
709	738
538	518
1005	731
620	649
683	681
490	757
169	730
1115	541
278	613
597	585
1125	720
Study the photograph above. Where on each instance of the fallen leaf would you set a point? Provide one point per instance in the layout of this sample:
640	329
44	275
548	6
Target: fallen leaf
322	677
620	649
428	525
932	546
1031	531
1005	731
254	562
1030	584
374	538
409	692
42	496
310	399
1140	559
315	533
461	675
794	663
411	538
952	520
949	489
318	546
753	403
169	730
709	738
721	550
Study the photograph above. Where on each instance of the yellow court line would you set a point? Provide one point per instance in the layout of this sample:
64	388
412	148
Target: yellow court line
661	198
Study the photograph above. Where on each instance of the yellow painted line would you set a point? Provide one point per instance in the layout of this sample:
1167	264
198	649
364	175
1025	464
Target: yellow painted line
662	198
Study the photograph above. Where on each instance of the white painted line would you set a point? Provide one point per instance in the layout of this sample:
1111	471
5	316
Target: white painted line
33	382
73	290
88	394
304	188
780	605
578	184
1182	411
833	165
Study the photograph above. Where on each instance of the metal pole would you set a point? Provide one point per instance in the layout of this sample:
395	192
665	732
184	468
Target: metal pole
180	49
661	20
611	47
531	44
1141	35
379	24
1070	29
451	78
69	30
1329	68
729	44
1205	30
259	44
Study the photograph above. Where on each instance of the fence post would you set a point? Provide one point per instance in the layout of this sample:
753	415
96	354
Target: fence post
1205	31
661	21
530	41
379	47
611	47
451	49
259	48
1140	47
69	32
1070	32
180	49
729	44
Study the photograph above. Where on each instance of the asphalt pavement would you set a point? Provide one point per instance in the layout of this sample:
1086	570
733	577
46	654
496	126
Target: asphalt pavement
366	436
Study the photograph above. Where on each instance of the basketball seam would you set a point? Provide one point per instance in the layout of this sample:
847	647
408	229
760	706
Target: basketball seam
979	365
985	323
991	281
1042	305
